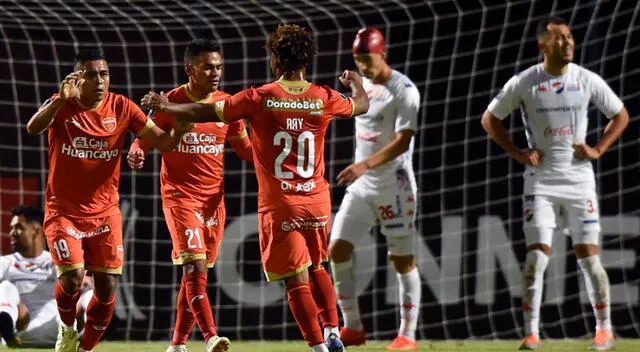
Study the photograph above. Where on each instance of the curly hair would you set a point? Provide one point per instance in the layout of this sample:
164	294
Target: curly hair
292	45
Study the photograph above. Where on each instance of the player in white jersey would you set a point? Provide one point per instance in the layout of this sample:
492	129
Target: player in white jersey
28	311
559	183
381	188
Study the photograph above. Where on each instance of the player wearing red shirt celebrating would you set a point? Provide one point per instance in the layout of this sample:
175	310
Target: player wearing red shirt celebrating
192	191
87	126
289	118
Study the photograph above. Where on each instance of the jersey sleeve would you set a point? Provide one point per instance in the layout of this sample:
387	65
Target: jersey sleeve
243	104
507	99
407	103
603	96
139	123
339	104
236	130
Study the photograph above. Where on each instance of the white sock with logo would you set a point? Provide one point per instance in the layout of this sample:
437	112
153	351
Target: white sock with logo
344	282
410	292
597	284
532	283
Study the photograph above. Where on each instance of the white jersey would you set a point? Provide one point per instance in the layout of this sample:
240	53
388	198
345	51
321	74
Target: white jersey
34	277
393	107
554	112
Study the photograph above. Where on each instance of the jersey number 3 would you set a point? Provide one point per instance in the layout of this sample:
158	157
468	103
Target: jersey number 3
306	154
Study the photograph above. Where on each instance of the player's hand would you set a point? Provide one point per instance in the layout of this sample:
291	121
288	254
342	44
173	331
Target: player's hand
70	86
349	77
135	159
351	173
154	101
584	151
182	127
529	157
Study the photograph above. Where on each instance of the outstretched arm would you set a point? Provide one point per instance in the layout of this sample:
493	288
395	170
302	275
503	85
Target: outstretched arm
166	141
358	94
196	112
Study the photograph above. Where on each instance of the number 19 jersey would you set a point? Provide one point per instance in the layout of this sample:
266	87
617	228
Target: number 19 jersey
288	123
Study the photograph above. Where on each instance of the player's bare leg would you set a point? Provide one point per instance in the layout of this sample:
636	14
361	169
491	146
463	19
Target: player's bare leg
410	295
195	281
597	284
532	279
67	293
304	310
352	334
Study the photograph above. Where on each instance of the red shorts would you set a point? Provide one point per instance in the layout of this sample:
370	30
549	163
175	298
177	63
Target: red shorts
196	232
94	244
293	238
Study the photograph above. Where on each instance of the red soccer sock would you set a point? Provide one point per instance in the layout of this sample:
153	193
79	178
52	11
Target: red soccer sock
66	304
184	318
325	297
98	318
196	289
305	312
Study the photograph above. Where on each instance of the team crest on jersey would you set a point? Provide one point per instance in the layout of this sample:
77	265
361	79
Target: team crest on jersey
220	124
109	124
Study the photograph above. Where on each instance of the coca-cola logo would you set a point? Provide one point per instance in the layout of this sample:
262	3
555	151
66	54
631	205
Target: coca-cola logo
566	130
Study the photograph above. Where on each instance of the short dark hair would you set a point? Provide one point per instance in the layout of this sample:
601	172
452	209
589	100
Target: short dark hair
292	45
88	54
199	46
30	213
541	29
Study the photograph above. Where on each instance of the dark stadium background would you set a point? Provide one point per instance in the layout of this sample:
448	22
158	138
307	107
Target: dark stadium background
455	91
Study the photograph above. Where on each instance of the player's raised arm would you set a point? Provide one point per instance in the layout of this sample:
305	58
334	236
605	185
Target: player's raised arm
240	142
43	118
195	112
166	141
360	99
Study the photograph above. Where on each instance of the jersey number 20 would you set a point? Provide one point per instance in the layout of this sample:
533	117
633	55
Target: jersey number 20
305	157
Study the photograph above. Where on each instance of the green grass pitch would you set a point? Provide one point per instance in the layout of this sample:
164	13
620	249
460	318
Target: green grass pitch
624	345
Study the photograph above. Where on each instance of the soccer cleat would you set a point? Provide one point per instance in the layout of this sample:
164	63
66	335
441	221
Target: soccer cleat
67	340
7	331
529	343
351	337
402	343
177	348
603	341
334	344
217	344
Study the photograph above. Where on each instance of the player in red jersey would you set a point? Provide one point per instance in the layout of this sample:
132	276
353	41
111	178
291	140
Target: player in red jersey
87	126
192	192
289	118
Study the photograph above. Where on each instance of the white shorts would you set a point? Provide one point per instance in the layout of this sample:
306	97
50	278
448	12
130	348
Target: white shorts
42	330
543	214
393	209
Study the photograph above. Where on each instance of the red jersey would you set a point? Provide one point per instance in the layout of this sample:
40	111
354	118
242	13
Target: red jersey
84	154
289	121
192	172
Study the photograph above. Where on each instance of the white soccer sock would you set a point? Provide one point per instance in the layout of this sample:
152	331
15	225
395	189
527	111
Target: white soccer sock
344	282
319	348
9	299
410	293
597	283
329	330
532	281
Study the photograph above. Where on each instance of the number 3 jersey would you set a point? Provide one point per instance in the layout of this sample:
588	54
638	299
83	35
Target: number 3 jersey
393	107
288	123
554	113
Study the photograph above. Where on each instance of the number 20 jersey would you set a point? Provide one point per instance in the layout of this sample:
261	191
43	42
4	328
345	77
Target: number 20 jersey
288	123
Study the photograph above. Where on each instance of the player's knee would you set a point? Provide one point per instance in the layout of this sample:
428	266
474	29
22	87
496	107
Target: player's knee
403	264
535	265
104	286
584	250
198	265
539	247
340	251
72	280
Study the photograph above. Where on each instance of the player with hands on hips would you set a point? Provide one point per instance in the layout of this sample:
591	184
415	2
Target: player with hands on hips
381	190
559	182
